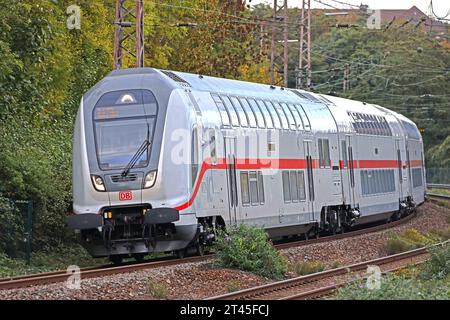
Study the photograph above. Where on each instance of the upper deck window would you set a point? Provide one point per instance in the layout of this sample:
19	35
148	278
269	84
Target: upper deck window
370	124
222	110
411	130
258	112
243	118
297	117
282	115
250	113
305	119
274	114
267	115
231	111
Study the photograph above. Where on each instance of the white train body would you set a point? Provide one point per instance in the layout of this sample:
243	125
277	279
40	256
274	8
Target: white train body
228	152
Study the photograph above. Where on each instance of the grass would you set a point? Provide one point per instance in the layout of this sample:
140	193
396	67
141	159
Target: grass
233	285
303	268
430	281
413	239
444	192
158	290
59	259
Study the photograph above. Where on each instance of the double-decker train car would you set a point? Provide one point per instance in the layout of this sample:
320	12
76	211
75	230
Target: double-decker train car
161	159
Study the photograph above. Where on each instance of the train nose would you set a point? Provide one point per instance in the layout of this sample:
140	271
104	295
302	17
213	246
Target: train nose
124	190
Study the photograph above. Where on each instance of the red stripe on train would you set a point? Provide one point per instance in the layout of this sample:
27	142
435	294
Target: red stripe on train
258	164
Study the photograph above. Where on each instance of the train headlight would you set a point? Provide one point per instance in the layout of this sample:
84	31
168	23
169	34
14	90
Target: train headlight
150	179
97	181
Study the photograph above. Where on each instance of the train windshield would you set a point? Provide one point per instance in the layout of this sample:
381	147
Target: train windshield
122	121
117	142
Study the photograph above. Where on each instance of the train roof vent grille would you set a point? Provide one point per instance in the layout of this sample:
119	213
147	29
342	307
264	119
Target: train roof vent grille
128	178
176	78
306	95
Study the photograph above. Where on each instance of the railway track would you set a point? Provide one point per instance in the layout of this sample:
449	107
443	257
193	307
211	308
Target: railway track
62	276
325	283
91	272
436	197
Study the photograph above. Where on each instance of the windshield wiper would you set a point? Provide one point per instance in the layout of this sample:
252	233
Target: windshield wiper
144	146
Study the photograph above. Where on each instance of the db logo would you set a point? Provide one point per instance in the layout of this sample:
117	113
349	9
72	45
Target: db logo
125	195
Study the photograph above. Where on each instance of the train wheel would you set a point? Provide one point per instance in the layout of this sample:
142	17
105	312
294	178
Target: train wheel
200	248
116	259
139	257
180	253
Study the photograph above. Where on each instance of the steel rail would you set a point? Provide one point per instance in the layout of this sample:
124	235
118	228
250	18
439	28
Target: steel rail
290	284
61	276
438	186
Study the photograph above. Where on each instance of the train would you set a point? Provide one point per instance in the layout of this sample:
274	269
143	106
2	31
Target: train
162	160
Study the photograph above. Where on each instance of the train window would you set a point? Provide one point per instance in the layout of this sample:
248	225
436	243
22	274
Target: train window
286	186
274	114
249	111
253	181
266	114
241	112
291	121
282	115
305	119
261	198
324	153
244	189
411	130
231	111
374	182
297	117
417	177
222	110
301	185
258	112
369	124
293	186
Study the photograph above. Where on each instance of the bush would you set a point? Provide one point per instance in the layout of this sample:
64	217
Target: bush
438	267
398	245
12	231
308	267
158	290
248	248
408	240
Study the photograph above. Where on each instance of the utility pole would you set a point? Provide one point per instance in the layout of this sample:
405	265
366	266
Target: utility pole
263	47
304	71
278	58
129	15
346	84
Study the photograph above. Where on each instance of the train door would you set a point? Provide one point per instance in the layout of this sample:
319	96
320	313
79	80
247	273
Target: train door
230	155
399	168
350	170
344	170
408	171
307	144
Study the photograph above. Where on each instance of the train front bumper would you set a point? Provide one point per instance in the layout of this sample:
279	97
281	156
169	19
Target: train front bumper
95	233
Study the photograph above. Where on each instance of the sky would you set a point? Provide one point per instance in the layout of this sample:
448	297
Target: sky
441	7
